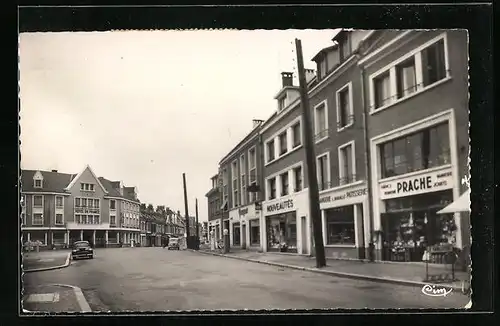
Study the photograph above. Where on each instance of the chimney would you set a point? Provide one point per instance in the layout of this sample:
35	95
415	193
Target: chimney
310	74
256	122
54	171
287	79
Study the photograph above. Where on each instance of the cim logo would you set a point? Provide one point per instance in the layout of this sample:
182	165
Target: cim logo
436	290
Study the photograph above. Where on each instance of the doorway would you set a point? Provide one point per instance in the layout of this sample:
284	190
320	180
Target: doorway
303	227
244	236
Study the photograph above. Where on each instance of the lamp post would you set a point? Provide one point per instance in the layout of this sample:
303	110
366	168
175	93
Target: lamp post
188	243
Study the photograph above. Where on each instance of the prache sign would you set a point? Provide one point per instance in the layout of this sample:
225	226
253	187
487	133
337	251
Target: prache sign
416	185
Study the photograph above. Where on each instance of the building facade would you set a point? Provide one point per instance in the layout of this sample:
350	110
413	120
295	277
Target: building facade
214	199
60	208
417	97
241	171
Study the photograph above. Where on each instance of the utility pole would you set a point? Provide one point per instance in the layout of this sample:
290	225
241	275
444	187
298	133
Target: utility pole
314	210
188	243
197	227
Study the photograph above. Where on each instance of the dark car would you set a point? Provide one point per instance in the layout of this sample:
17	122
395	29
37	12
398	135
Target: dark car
173	243
82	249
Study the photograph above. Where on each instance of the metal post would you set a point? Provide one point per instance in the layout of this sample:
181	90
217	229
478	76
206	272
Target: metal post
314	210
197	228
186	211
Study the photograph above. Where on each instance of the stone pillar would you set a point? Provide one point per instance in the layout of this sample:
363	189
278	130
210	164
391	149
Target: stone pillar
67	238
106	238
81	235
93	238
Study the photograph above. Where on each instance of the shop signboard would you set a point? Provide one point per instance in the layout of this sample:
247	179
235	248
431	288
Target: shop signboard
417	184
343	197
282	206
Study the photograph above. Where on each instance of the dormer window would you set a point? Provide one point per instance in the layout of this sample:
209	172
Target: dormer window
38	180
282	102
38	183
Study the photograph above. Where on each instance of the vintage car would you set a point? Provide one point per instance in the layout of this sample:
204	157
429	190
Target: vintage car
82	249
173	243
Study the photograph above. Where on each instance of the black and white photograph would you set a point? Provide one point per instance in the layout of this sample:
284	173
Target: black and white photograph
227	169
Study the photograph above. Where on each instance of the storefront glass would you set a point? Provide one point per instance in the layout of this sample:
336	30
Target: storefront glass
282	232
340	226
236	234
254	232
411	225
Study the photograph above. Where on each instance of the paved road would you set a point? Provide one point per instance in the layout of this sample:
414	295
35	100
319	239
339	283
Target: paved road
155	279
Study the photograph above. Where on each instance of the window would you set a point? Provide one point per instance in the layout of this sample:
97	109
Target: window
297	172
323	172
112	204
344	47
284	184
37	219
252	165
382	87
418	151
112	220
59	202
272	188
406	78
340	226
23	218
59	219
296	135
433	63
270	150
37	201
38	183
234	173
23	201
283	143
345	114
282	102
243	181
87	187
347	167
320	121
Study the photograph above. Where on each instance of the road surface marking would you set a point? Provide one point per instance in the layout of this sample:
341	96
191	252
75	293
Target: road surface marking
46	260
43	297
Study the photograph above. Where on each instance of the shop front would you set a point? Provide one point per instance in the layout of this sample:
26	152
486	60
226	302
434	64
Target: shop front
344	214
245	226
409	216
287	225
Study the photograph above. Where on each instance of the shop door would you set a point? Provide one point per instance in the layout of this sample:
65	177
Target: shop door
244	237
303	228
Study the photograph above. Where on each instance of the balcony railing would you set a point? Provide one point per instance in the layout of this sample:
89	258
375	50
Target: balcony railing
87	210
345	122
320	135
337	182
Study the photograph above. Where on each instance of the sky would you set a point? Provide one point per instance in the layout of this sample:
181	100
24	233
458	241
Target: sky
144	107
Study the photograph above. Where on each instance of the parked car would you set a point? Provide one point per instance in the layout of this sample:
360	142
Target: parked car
82	249
173	243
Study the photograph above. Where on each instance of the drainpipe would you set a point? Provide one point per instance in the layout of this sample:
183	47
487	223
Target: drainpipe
368	171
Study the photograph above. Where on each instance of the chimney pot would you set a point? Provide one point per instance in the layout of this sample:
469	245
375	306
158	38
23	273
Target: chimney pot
287	79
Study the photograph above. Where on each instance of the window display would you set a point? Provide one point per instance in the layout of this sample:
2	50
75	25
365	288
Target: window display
340	226
282	232
254	232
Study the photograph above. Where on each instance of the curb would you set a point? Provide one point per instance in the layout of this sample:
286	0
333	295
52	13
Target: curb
66	264
80	298
332	273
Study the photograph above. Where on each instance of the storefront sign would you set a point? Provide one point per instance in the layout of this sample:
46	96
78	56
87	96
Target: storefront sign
280	206
243	211
415	185
343	195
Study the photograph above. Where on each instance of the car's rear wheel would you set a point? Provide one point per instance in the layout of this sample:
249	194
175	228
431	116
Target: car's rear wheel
91	256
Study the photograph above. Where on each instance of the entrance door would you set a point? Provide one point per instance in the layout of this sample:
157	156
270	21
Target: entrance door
303	225
244	236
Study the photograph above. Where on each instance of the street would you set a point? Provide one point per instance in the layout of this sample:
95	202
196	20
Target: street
156	279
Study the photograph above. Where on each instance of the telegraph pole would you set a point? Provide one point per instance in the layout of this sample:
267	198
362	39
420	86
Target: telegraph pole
314	210
186	211
197	227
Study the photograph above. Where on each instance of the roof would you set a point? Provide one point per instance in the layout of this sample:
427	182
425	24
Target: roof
52	181
322	52
112	187
212	191
78	176
285	89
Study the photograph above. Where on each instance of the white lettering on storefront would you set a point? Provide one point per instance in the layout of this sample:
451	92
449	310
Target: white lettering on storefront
287	204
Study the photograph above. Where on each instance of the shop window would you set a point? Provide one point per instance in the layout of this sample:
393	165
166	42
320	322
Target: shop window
340	226
419	151
254	233
406	79
282	232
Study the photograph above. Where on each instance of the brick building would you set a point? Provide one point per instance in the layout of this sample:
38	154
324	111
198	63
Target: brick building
59	208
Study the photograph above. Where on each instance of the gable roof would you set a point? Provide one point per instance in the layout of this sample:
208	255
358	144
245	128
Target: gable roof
52	181
72	183
113	190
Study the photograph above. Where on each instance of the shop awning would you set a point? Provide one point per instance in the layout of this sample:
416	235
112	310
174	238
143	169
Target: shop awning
462	204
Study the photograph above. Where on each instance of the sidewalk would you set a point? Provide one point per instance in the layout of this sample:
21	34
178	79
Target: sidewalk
54	298
399	273
45	260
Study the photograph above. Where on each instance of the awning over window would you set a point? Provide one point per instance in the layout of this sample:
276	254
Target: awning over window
462	204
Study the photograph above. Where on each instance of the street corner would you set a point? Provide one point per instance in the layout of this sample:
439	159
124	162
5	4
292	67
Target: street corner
41	263
54	298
